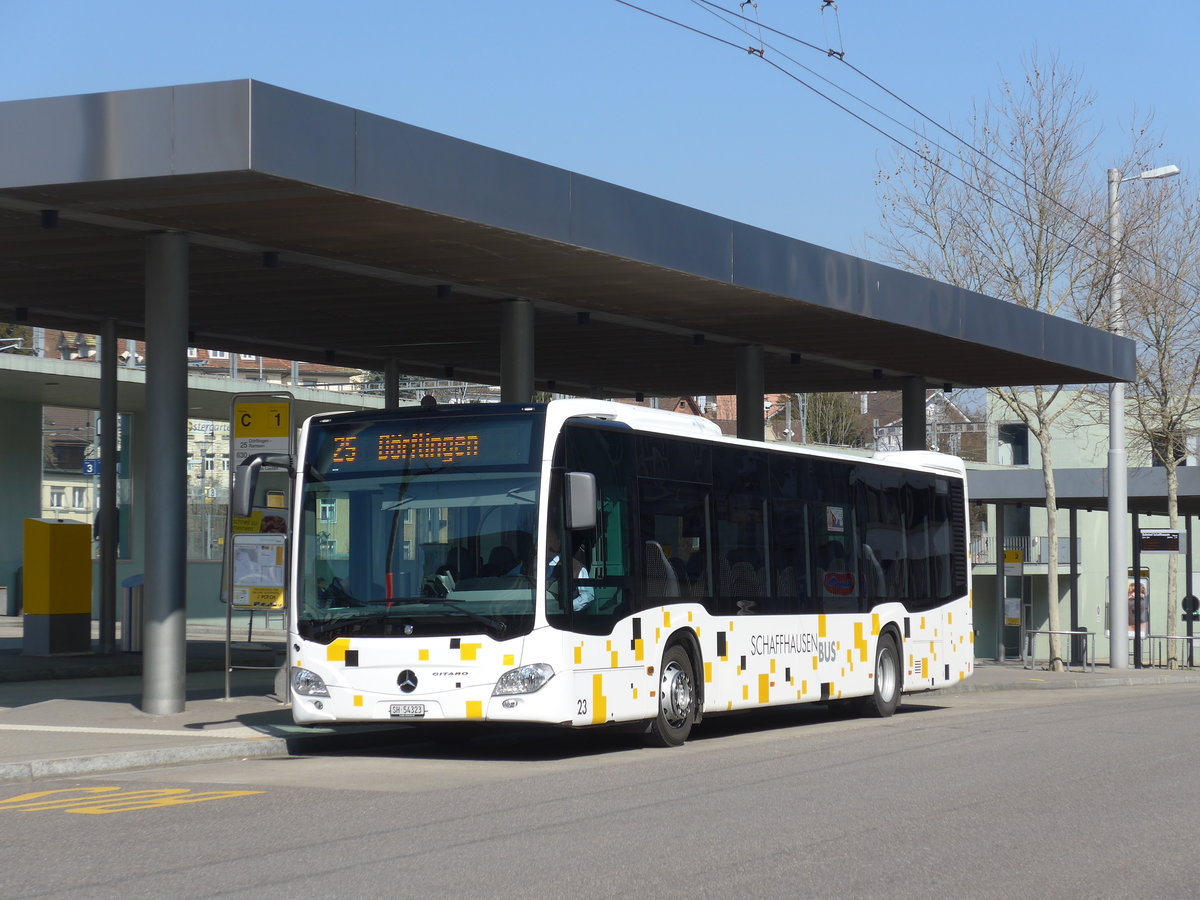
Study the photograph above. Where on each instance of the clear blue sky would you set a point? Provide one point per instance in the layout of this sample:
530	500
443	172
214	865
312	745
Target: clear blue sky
598	88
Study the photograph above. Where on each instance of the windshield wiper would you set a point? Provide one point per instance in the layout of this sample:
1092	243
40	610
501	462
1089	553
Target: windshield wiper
390	612
495	624
347	622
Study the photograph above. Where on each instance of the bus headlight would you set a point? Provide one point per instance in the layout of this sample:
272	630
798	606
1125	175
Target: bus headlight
524	680
308	684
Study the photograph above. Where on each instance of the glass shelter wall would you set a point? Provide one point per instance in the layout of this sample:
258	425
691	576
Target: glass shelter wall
71	470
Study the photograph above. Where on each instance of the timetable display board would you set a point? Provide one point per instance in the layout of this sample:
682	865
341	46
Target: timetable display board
1160	540
259	569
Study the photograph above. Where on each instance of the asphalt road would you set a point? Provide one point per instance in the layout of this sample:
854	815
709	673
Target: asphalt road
1067	793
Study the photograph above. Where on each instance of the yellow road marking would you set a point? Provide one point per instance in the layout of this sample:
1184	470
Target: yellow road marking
98	801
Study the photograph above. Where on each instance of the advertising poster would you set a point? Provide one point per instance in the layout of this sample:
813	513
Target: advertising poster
1143	586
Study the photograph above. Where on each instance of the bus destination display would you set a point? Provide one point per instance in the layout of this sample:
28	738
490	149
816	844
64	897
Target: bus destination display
347	448
400	447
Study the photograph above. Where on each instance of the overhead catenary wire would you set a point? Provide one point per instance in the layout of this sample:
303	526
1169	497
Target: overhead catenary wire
1084	222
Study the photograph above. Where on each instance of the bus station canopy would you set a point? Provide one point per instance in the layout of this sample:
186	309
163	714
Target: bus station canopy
323	233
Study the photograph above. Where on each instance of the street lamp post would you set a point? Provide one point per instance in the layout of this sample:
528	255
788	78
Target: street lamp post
1118	472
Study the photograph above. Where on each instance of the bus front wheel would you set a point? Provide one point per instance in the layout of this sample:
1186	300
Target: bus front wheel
886	696
676	700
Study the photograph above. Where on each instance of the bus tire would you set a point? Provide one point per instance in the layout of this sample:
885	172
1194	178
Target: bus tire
885	698
676	700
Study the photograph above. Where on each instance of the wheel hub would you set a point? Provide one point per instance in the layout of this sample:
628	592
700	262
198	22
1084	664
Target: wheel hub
885	675
676	695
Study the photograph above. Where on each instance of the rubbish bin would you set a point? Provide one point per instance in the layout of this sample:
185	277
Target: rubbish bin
131	613
1079	646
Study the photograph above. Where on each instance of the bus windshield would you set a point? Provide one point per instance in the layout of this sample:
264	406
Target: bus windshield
419	526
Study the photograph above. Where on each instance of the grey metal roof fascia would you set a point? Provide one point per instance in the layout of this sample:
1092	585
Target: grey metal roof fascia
211	127
1091	349
64	140
414	167
145	133
629	224
1007	326
301	138
787	267
399	163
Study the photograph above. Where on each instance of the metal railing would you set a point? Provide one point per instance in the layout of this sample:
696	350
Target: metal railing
1086	649
1162	651
1036	549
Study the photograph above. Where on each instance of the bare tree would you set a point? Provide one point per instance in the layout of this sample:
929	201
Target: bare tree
829	418
1010	221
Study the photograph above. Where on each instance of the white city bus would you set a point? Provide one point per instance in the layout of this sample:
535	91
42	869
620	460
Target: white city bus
702	573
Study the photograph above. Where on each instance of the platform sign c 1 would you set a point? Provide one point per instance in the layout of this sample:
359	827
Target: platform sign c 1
260	423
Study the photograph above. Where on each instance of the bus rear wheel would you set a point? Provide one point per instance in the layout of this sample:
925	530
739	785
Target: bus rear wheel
676	700
886	697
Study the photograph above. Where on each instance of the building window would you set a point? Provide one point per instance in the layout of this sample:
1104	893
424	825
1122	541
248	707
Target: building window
1012	441
250	357
327	510
78	498
218	354
193	353
57	497
1172	445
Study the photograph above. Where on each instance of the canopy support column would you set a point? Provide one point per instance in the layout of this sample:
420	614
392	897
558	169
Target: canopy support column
391	384
914	421
164	663
107	517
750	391
516	352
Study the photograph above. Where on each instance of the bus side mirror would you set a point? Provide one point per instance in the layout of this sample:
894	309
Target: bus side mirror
579	492
245	480
244	483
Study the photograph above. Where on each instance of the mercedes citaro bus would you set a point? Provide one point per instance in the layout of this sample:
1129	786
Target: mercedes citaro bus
584	563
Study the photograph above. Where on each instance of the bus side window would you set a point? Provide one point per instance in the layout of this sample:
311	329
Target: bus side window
674	531
740	486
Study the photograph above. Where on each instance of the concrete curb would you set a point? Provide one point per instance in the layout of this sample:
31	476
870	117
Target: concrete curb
1036	683
127	760
131	760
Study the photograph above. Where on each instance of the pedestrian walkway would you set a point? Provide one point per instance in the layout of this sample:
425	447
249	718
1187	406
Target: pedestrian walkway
63	717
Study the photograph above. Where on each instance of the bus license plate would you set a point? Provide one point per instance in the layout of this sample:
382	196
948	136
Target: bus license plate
407	710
